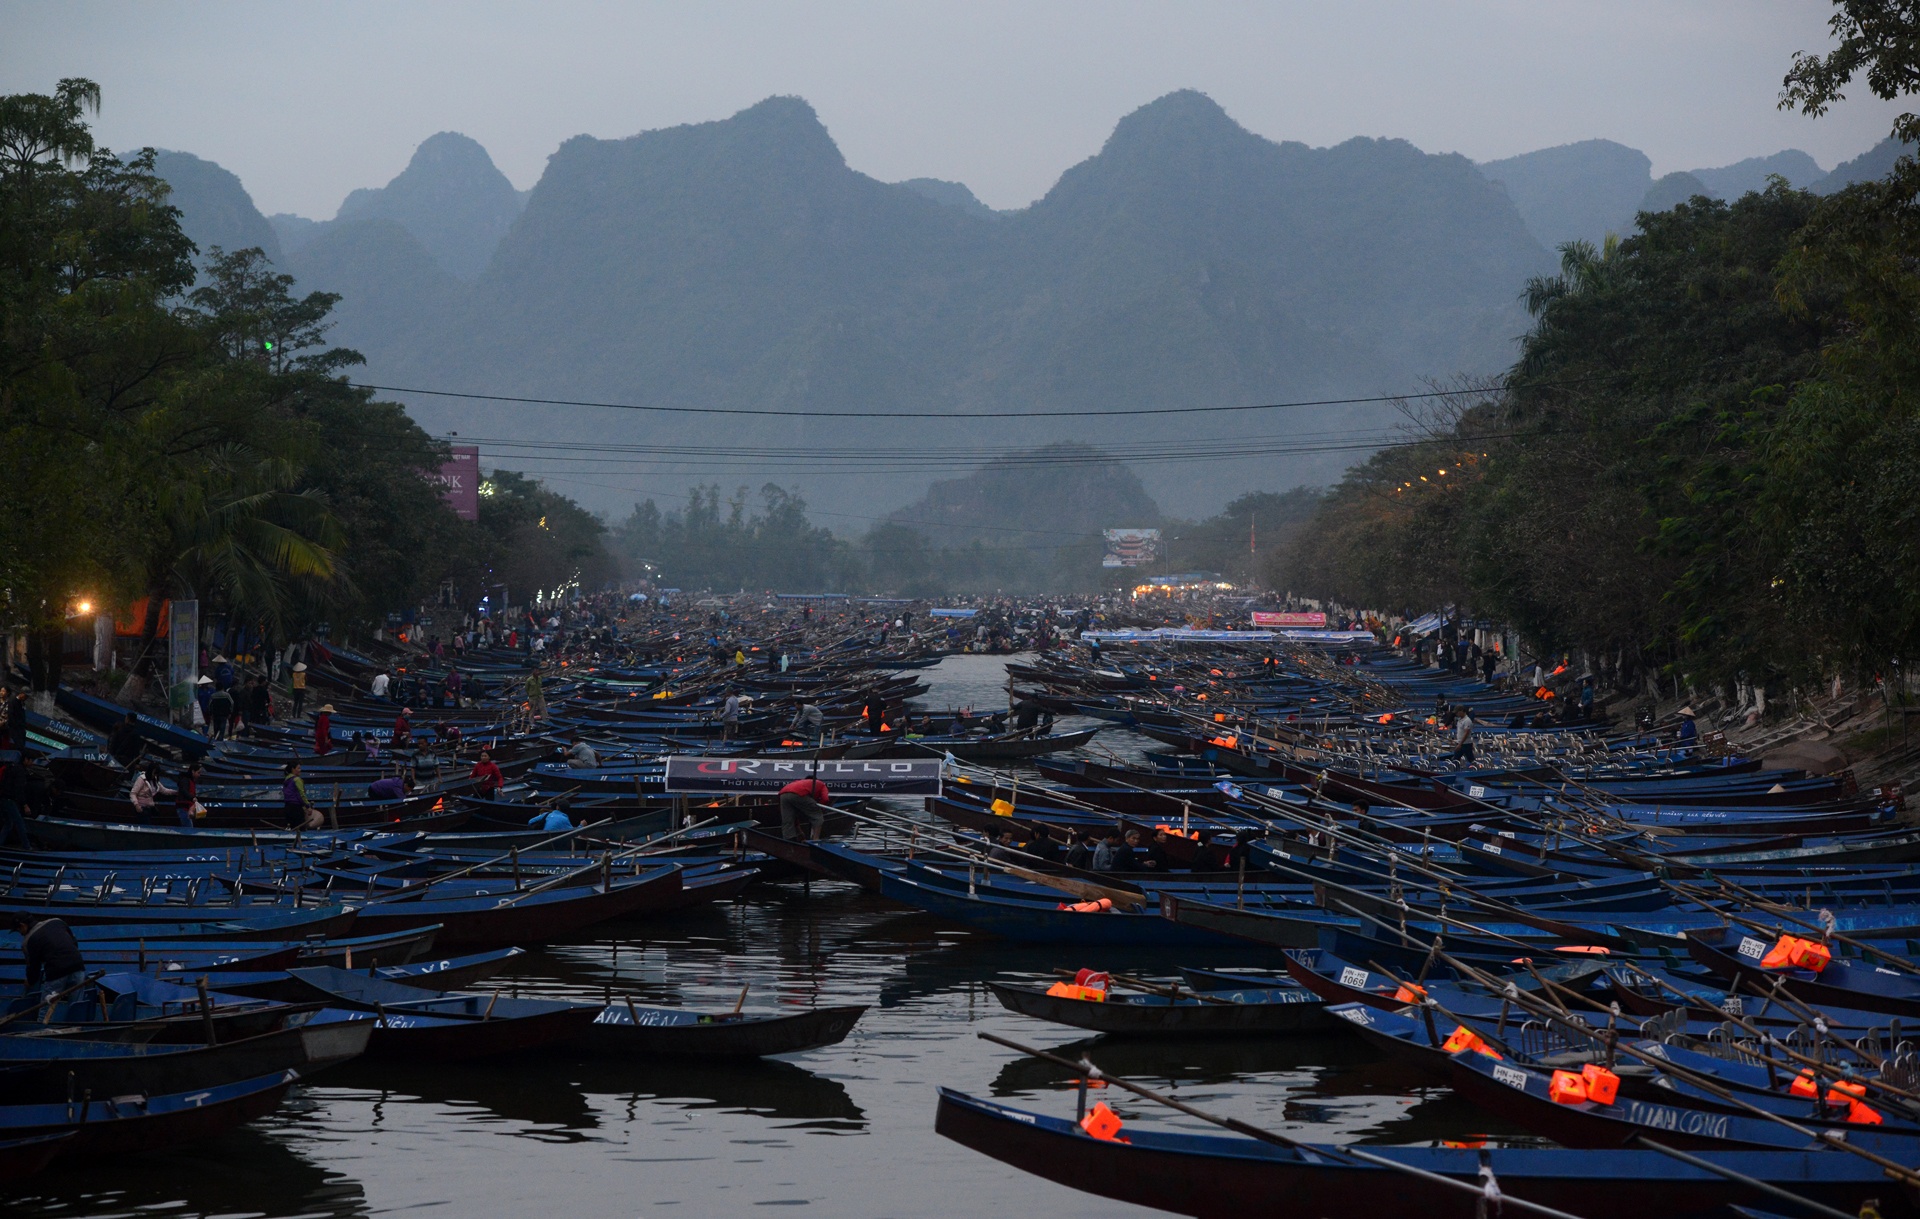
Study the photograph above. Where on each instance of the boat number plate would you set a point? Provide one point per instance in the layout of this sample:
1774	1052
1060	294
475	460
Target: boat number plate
1356	978
1750	947
1511	1077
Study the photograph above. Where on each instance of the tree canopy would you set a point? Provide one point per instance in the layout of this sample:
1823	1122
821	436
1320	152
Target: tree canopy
173	421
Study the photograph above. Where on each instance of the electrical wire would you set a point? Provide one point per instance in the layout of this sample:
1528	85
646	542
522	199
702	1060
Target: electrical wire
908	416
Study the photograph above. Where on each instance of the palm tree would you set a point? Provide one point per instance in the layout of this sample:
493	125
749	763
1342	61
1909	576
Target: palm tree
235	531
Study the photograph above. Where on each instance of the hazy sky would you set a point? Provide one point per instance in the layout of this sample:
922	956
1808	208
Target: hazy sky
308	101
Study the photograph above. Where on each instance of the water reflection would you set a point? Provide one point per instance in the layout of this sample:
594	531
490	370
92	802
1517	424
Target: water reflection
247	1172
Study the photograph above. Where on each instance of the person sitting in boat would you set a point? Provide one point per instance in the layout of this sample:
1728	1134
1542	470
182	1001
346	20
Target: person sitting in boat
486	776
580	756
53	959
1080	852
1136	856
1157	858
1689	731
393	787
553	821
808	796
1107	855
403	729
1004	851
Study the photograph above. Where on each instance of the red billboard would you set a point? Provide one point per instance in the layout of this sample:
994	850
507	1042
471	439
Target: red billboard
1267	619
460	482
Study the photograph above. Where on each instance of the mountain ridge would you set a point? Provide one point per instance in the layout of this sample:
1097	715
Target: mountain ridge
742	263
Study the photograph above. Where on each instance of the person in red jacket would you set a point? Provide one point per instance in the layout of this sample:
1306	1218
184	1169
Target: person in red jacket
402	729
323	730
486	775
809	796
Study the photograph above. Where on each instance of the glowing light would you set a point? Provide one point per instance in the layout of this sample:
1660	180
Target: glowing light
83	606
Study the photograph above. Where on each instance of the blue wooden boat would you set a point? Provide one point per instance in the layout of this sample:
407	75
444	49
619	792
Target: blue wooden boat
624	1028
1735	953
21	1158
413	1024
443	974
45	1070
124	1125
1238	1012
1228	1177
1042	921
509	918
104	715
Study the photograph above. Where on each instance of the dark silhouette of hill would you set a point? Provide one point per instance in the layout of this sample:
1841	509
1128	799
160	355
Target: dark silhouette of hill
387	282
1875	162
451	197
1733	181
1577	191
952	194
215	209
1029	503
1670	191
1586	190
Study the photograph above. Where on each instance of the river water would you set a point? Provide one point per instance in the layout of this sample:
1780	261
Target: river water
846	1131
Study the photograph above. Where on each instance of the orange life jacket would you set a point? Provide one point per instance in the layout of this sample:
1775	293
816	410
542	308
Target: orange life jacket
1102	1123
1602	1085
1567	1088
1793	952
1464	1038
1100	907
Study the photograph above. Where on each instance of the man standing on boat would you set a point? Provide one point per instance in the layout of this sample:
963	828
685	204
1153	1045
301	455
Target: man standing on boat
300	812
323	731
52	955
809	796
810	722
1463	737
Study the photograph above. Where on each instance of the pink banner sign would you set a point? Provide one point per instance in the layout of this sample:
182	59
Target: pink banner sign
1267	619
460	482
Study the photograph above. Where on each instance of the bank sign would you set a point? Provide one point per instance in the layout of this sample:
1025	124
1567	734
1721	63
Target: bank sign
746	776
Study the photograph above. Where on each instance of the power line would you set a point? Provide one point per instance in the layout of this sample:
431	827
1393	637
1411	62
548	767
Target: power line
904	416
